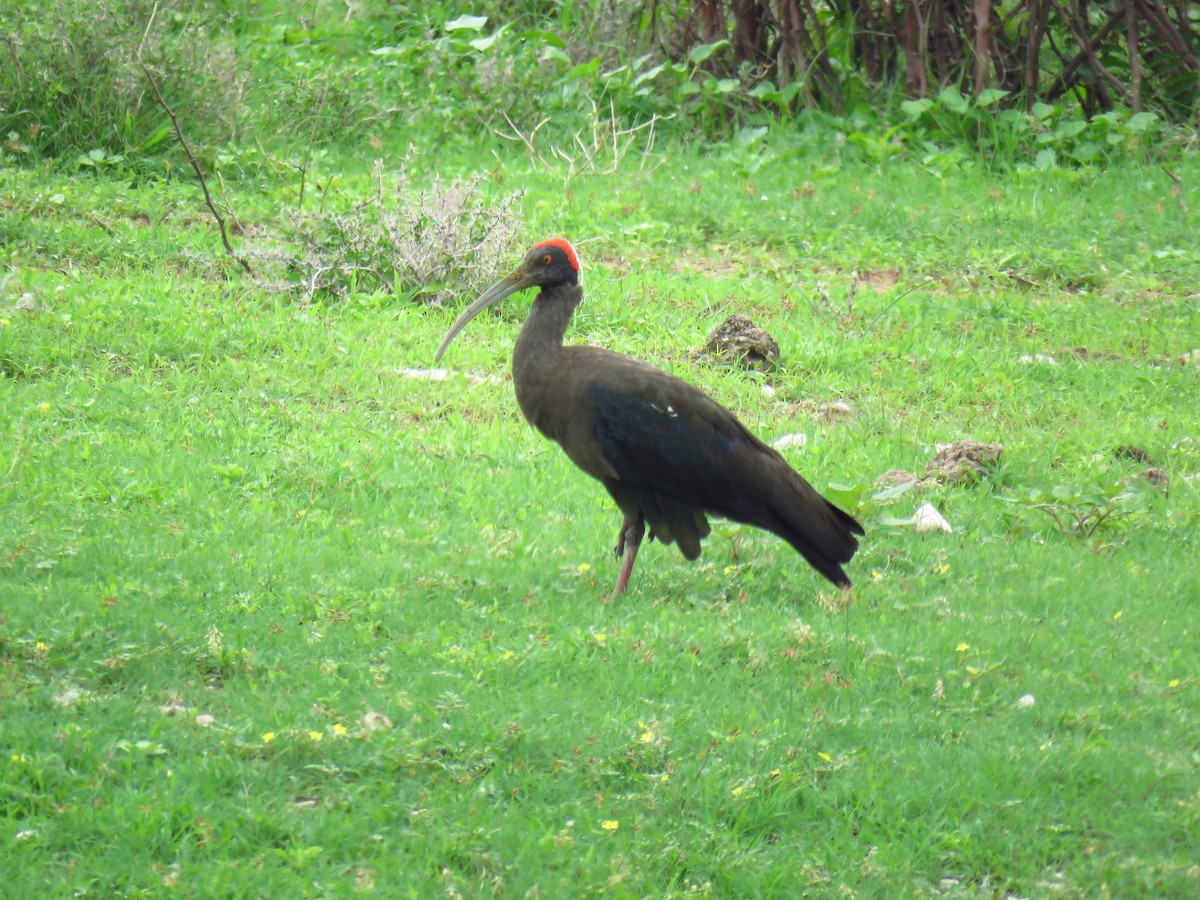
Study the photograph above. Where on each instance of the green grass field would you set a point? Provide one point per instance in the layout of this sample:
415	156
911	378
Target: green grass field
279	619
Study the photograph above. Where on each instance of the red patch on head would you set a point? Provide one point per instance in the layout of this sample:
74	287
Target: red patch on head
563	245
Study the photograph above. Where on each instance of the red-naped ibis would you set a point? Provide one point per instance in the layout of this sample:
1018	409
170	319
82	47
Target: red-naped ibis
668	454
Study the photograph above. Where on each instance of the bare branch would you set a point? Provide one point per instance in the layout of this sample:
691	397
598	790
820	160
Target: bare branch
208	200
1176	189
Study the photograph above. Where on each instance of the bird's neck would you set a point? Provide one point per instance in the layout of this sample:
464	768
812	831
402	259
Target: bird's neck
539	349
541	339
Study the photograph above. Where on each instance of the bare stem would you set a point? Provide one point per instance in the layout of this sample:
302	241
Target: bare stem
208	200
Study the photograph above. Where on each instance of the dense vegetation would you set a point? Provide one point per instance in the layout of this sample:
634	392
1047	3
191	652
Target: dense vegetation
1026	77
283	612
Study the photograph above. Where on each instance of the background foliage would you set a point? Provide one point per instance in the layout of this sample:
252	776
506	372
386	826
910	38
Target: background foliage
332	74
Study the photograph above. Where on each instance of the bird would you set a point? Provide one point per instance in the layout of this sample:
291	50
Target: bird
667	453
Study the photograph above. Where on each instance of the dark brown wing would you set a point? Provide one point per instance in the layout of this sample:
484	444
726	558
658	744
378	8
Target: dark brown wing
677	455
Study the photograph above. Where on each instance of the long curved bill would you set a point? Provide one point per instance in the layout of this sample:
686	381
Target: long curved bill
515	281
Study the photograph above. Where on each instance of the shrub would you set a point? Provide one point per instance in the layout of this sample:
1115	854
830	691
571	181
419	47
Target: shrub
71	83
420	244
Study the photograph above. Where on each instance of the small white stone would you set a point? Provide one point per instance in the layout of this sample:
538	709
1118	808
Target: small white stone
791	440
1025	701
204	720
426	374
929	519
70	696
173	706
768	391
376	721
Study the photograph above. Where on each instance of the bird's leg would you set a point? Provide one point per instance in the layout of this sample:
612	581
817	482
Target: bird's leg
619	550
628	541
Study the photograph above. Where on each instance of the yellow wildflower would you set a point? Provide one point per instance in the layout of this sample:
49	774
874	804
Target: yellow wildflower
610	825
268	736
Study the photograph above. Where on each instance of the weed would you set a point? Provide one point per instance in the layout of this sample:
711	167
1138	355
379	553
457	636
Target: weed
598	149
1084	512
1046	136
423	244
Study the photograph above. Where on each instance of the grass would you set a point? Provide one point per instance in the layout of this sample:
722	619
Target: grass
279	620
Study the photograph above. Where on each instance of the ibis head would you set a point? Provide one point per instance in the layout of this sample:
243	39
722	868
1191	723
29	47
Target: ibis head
549	264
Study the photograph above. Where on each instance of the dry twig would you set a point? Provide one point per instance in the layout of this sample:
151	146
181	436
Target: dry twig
599	148
162	101
208	200
1176	189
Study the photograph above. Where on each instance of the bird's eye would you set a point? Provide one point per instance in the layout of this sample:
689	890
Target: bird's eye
547	259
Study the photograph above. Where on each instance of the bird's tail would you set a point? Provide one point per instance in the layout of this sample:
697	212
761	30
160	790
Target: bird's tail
819	531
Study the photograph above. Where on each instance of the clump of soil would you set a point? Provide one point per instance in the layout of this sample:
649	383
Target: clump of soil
963	462
893	477
1132	452
828	412
738	340
1153	476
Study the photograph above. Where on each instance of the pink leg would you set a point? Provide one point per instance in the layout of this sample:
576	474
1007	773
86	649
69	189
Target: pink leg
628	541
